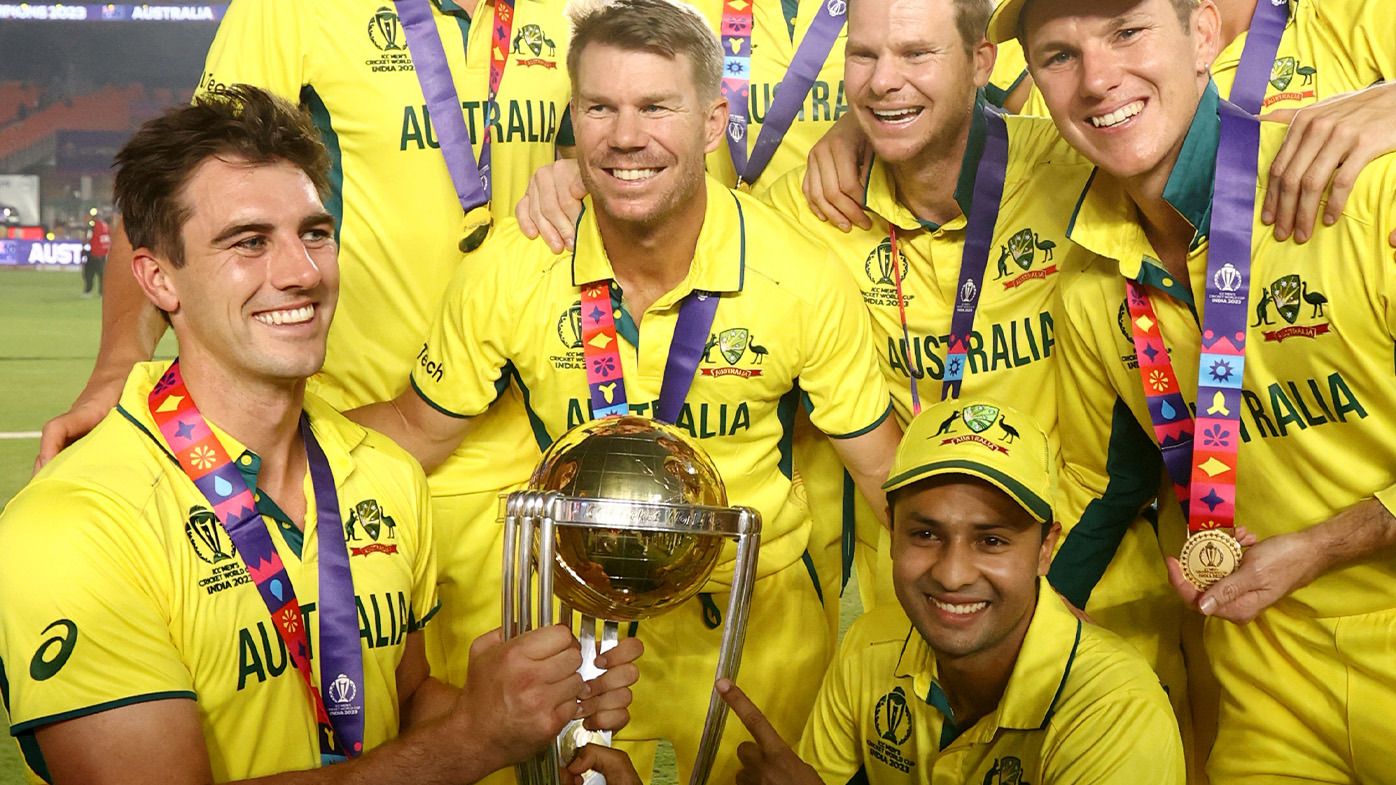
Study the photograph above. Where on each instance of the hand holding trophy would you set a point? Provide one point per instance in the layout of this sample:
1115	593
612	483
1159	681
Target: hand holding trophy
624	519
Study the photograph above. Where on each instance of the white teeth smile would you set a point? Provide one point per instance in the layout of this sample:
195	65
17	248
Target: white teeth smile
292	316
631	175
896	115
1118	116
960	610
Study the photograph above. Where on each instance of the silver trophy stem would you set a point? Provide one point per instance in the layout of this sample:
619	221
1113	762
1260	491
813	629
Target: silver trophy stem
730	653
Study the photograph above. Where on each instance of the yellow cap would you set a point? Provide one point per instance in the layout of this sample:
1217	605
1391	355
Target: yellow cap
1003	25
985	439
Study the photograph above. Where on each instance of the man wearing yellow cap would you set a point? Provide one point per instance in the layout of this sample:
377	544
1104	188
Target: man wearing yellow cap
993	680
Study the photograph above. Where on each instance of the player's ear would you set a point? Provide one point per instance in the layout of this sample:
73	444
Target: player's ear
1206	31
984	55
152	275
715	125
1051	531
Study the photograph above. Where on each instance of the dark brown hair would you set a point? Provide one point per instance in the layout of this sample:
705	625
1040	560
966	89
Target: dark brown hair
241	123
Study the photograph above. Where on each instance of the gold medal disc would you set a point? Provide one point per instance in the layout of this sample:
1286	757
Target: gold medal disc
1208	556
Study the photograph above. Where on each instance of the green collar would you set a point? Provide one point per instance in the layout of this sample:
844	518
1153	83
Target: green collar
880	192
1189	187
452	7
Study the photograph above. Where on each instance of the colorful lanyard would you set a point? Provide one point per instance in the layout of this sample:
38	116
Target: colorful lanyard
203	459
804	69
470	178
601	351
974	260
1204	474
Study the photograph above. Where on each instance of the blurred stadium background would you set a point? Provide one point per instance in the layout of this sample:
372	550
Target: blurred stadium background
75	81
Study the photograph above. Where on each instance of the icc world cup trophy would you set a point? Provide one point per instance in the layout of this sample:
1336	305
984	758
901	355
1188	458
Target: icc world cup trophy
623	519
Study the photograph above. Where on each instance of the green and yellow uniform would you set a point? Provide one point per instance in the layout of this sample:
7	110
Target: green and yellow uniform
1307	685
119	586
1011	352
1010	71
778	28
787	312
1080	706
400	221
1329	47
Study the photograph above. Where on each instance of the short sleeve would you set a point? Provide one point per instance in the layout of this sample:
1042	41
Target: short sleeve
830	742
425	601
86	623
258	43
1129	738
459	370
847	393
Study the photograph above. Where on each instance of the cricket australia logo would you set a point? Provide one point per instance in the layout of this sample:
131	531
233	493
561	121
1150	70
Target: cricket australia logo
1282	75
1021	249
1290	297
893	722
1007	770
207	537
977	418
385	31
531	40
733	345
368	522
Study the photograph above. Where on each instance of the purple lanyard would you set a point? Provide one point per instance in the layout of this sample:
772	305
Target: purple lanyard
339	703
471	179
974	259
1208	470
790	93
601	347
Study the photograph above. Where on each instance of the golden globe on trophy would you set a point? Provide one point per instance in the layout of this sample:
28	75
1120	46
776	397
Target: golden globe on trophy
624	519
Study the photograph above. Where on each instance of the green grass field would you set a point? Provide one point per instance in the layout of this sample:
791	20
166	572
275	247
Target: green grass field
48	340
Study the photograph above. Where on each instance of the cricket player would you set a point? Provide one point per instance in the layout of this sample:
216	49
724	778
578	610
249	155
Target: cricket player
658	242
173	613
993	679
1300	633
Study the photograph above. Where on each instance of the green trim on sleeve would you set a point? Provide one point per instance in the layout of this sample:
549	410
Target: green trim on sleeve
868	429
27	727
434	404
566	136
416	625
999	95
1133	466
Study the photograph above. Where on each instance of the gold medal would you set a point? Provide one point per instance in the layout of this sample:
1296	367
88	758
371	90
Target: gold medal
1208	556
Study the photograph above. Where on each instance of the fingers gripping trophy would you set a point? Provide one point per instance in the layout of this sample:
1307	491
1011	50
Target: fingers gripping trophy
623	520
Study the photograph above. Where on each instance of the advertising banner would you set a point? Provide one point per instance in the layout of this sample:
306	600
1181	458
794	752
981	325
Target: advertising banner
60	253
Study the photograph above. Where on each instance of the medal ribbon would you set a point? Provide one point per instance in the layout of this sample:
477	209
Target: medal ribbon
974	260
737	26
470	178
208	465
601	352
1204	474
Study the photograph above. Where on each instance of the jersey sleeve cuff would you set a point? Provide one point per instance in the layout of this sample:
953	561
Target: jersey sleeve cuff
29	726
433	404
866	429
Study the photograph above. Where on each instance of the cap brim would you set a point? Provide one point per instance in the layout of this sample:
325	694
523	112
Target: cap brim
1040	509
1003	24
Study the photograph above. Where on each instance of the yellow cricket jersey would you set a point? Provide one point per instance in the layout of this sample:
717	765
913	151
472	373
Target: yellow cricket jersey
1011	347
120	586
1010	69
1316	432
787	313
779	26
1080	706
1329	47
399	218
